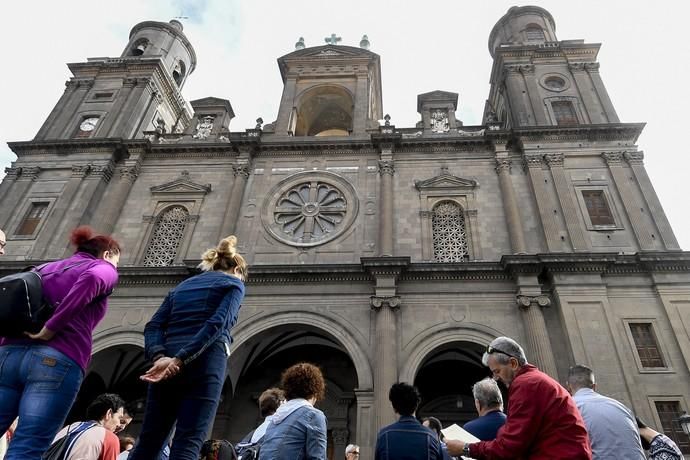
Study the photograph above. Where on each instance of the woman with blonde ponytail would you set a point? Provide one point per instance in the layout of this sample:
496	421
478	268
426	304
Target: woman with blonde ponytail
188	342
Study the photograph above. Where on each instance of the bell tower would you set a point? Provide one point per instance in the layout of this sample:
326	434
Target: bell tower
330	90
537	80
123	97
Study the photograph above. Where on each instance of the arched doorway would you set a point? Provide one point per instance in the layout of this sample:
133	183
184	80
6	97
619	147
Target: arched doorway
115	369
257	365
445	380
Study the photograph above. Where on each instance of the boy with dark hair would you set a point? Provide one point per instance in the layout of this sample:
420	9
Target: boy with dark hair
95	438
406	438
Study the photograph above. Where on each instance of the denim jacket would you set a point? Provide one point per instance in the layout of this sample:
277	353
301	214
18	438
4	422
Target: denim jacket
407	439
195	314
296	432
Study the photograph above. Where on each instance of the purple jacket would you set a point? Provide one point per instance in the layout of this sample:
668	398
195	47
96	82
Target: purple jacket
76	314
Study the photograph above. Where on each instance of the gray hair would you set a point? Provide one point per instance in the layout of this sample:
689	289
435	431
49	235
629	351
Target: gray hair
581	377
487	393
505	348
350	448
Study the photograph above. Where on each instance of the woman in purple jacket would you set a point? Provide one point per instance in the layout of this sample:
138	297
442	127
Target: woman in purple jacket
188	341
41	374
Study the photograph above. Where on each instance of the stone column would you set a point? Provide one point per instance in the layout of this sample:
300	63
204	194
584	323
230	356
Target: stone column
634	159
366	429
241	172
567	200
13	189
534	164
639	223
386	170
114	200
538	344
592	69
517	235
386	353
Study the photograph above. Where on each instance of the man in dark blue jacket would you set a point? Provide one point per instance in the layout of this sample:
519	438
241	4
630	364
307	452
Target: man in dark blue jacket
489	404
406	439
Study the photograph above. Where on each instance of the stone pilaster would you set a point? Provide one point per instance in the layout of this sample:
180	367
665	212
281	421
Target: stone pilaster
58	110
639	223
635	160
85	190
68	123
366	427
13	189
111	124
535	99
510	206
592	69
538	345
534	164
514	86
59	209
286	105
593	111
567	201
386	170
114	200
361	104
386	350
241	172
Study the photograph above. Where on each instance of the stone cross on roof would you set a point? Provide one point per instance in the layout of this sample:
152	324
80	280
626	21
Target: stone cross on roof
332	40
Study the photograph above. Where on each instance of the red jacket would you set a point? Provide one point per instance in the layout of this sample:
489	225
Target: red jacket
543	423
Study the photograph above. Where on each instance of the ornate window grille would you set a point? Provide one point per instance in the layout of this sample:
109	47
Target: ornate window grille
450	237
166	238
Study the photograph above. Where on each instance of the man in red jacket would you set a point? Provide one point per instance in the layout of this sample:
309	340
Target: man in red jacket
543	421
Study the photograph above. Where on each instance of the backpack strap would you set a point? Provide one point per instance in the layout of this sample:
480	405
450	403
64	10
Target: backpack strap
80	430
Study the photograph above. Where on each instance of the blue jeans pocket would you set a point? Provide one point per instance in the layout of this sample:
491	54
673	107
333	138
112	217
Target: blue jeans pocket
47	372
3	357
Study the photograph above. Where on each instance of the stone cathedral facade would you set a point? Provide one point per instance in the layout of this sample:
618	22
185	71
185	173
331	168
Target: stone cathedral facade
381	253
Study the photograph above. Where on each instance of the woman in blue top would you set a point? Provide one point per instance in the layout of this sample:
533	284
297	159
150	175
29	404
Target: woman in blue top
297	430
188	341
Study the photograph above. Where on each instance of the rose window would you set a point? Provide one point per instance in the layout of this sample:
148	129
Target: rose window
308	211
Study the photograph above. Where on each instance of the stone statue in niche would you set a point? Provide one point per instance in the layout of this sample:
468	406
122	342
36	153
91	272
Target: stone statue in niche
160	126
204	127
439	121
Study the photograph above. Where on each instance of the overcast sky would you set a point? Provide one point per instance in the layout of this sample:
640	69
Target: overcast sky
423	46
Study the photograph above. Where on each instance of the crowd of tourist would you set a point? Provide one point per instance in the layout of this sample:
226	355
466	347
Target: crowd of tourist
187	342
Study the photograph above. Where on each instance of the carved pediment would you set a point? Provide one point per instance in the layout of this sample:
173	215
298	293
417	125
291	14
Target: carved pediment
329	50
182	184
445	181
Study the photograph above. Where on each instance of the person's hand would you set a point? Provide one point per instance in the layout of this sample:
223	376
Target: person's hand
162	369
455	447
43	334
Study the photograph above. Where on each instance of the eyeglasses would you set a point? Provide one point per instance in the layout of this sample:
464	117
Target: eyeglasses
491	350
3	244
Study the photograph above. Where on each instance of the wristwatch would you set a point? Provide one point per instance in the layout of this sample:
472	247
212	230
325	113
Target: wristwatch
466	450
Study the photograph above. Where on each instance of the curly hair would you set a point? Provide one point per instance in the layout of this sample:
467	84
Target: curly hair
224	257
303	380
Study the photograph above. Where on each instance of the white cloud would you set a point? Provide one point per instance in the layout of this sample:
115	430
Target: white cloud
423	47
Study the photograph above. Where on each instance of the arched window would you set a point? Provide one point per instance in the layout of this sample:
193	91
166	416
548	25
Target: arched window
323	111
535	33
139	47
179	73
449	235
167	236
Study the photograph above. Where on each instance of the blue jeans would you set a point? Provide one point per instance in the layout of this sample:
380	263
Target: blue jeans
38	384
190	399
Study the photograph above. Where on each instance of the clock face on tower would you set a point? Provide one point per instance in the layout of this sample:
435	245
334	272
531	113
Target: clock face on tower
88	124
